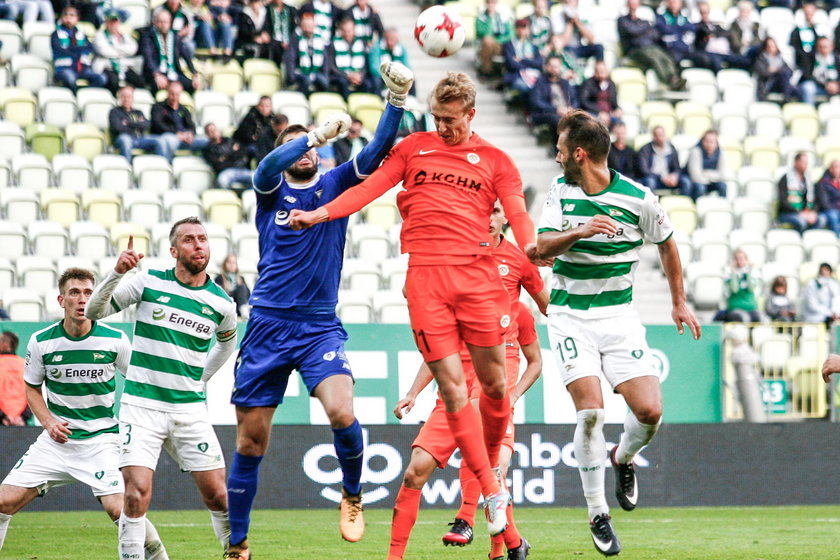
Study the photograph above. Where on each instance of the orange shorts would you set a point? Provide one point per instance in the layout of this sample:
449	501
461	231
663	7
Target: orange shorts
436	439
453	303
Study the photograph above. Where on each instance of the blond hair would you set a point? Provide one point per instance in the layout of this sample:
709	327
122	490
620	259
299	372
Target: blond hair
456	86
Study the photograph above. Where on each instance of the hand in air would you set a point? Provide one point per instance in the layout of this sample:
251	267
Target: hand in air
335	124
128	259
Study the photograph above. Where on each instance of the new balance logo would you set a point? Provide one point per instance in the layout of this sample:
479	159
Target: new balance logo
568	207
163	299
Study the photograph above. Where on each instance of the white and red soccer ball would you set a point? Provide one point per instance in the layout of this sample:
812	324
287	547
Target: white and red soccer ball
439	31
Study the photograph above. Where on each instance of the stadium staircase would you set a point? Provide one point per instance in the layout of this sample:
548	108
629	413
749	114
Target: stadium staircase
508	131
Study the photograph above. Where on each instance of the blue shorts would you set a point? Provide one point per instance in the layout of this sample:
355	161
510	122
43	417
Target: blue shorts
278	342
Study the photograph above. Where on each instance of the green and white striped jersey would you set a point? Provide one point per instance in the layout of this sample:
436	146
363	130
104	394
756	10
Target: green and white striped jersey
594	278
173	333
79	374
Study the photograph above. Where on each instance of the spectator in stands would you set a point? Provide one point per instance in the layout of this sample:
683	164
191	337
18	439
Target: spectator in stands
659	165
129	127
326	15
163	54
265	144
820	75
234	285
778	306
493	28
540	24
368	24
213	27
573	70
741	289
282	20
821	297
675	31
772	73
551	97
348	146
174	123
73	53
523	60
713	44
306	61
257	119
14	410
29	10
622	157
579	39
116	54
228	158
744	32
797	198
828	195
706	168
181	24
803	38
599	95
639	40
252	35
387	49
347	60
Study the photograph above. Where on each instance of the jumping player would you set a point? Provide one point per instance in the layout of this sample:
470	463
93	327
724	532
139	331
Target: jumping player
594	221
293	324
451	178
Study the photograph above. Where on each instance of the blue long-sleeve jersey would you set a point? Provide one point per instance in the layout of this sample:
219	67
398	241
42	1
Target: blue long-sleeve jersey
299	271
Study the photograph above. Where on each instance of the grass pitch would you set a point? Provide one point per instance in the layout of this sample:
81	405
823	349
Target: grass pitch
754	533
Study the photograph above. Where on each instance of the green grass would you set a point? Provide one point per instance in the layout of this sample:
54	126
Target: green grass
755	533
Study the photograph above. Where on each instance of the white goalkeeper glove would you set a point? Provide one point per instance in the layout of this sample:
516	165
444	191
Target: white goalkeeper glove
329	129
398	77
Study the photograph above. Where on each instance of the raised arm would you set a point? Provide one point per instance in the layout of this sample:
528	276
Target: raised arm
102	302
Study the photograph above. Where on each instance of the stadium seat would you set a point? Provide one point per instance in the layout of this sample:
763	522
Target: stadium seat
774	352
72	172
762	152
694	118
20	205
786	247
60	205
94	105
31	72
369	118
102	206
766	120
11	38
142	207
48	239
326	103
733	152
160	238
263	76
802	120
730	121
222	207
181	204
737	86
156	263
249	205
631	85
244	100
711	248
354	307
827	149
370	242
36	273
121	231
294	105
715	213
21	303
361	276
390	307
7	275
85	139
682	212
393	273
44	139
32	171
139	12
90	240
707	291
214	107
751	214
219	240
152	173
37	36
659	113
113	173
18	104
356	101
248	270
683	143
74	261
57	106
143	101
227	78
52	310
789	146
245	240
382	211
702	86
822	245
193	174
5	173
12	240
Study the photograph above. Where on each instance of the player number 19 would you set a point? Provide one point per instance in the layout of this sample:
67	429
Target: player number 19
567	349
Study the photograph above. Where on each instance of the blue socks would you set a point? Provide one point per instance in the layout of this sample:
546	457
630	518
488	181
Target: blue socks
350	448
242	488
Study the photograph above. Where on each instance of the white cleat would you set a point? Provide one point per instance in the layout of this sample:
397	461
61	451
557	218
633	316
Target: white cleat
495	506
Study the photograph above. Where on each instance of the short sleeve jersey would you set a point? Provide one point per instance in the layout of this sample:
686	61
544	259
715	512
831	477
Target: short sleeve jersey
173	332
517	272
448	193
594	278
79	374
527	325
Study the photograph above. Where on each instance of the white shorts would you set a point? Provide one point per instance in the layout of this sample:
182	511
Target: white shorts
188	437
47	464
614	346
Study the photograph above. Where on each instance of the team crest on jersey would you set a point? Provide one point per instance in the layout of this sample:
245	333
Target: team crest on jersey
281	218
55	373
473	158
98	356
504	270
329	356
637	353
158	314
28	358
290	199
206	310
319	192
99	475
203	446
505	322
614	212
163	299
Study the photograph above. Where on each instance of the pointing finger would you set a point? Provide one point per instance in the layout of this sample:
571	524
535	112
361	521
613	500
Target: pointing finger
130	243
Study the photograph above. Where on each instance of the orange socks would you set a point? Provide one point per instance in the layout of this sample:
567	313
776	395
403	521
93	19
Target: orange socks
405	515
465	426
495	415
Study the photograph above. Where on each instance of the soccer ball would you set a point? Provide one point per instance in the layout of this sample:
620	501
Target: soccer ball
439	31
